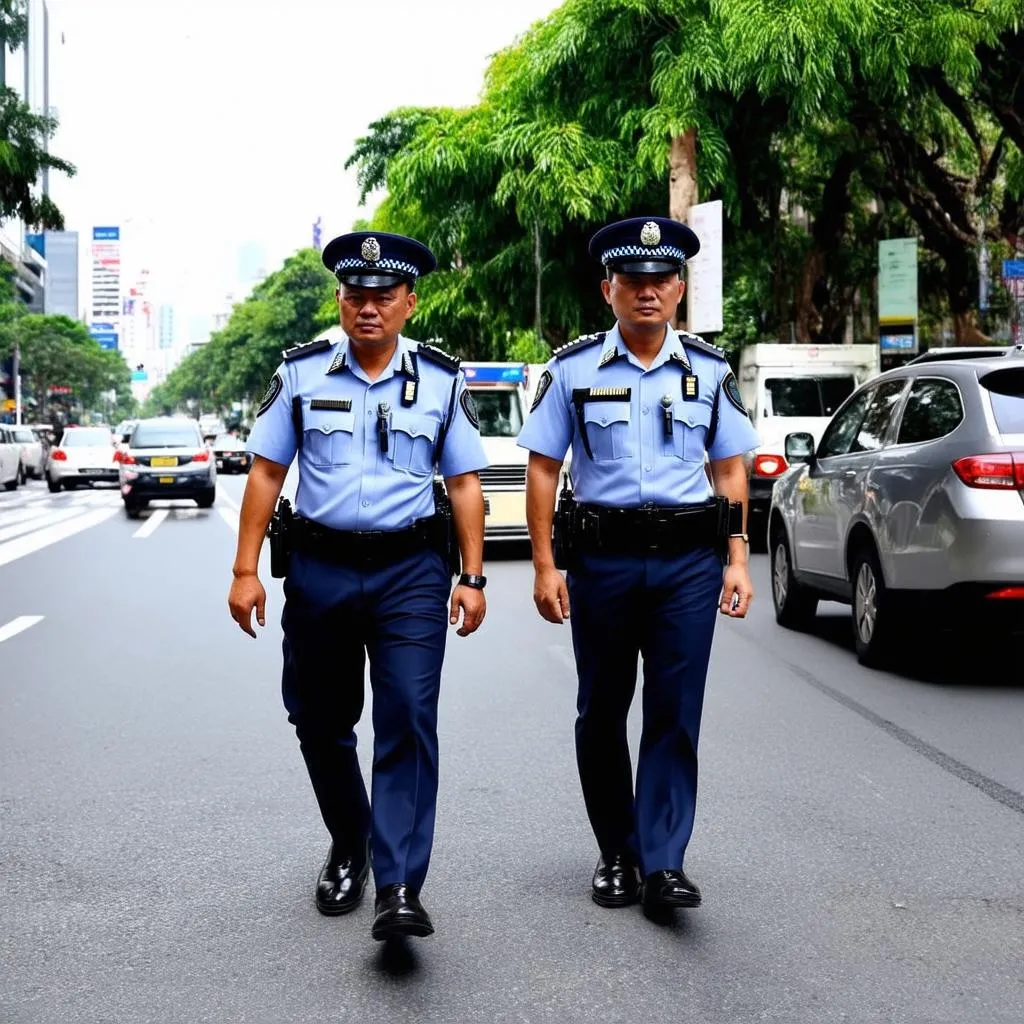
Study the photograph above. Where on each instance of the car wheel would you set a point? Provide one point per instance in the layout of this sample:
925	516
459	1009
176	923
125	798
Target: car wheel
795	606
11	485
206	500
132	509
872	610
53	486
22	475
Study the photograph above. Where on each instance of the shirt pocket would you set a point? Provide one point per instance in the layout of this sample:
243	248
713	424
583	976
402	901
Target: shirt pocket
412	442
327	437
608	430
690	431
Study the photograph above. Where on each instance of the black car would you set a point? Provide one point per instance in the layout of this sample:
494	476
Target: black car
230	453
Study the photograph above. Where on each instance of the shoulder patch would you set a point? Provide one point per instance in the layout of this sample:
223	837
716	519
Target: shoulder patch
546	380
307	348
693	341
439	357
468	404
273	390
585	341
732	391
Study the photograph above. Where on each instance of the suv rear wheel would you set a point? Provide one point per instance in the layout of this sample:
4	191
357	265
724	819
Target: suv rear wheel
795	606
872	609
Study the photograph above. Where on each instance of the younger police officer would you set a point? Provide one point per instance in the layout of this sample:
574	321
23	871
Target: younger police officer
368	417
640	405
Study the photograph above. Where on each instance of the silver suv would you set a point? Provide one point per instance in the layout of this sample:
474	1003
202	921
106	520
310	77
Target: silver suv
911	508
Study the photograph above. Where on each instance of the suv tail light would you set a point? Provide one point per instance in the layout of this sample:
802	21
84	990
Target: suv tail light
1007	594
1003	471
126	459
202	456
770	465
59	455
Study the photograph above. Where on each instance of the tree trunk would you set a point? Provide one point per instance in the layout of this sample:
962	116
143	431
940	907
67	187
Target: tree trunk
682	176
962	297
538	268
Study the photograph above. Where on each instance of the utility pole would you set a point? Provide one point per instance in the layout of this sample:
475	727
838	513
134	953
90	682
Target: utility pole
16	372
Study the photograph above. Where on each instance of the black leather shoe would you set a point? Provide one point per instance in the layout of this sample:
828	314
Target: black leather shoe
399	912
664	890
616	881
339	888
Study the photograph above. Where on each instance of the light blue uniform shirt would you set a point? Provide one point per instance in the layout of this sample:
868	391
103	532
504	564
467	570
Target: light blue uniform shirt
635	461
345	481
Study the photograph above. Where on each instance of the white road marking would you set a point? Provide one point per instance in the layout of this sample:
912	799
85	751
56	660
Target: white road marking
21	546
155	519
18	625
223	496
229	517
38	522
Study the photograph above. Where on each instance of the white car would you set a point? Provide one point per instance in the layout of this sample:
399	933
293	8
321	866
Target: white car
33	456
12	472
85	455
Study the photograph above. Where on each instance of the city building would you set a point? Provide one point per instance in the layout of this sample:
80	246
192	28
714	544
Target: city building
60	251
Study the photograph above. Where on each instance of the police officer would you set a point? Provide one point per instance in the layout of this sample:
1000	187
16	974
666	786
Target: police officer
640	405
368	418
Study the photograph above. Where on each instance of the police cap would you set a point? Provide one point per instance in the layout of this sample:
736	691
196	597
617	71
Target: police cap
644	245
377	259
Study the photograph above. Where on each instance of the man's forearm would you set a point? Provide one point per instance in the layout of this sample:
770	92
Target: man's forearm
262	488
467	498
541	485
730	479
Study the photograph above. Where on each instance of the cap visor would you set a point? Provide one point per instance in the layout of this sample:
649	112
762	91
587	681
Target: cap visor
359	280
645	267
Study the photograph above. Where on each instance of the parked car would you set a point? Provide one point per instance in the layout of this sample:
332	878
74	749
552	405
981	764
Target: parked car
33	455
230	453
166	458
12	472
911	507
85	455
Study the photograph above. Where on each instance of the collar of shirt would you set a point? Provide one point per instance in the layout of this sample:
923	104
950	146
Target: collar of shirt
401	362
615	348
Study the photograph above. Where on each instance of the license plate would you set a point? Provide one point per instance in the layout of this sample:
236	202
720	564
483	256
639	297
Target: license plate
220	463
166	479
164	460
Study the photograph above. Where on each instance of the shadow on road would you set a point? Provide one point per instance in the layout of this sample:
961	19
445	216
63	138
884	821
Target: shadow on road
396	958
942	656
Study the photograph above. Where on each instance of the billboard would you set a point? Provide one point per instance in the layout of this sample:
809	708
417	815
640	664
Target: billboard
897	281
106	234
704	271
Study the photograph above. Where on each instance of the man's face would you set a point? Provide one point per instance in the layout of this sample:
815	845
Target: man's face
375	315
644	300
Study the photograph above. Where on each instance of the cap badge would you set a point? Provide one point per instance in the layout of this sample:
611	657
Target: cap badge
650	235
370	250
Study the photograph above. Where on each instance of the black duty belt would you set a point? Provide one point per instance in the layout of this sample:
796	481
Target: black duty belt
364	549
651	529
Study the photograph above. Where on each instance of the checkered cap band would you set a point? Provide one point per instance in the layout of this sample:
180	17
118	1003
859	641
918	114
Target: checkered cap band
395	266
658	252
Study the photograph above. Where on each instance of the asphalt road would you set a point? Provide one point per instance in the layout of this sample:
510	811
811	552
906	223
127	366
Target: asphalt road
860	836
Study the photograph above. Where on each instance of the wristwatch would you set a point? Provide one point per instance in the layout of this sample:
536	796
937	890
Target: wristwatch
469	579
740	536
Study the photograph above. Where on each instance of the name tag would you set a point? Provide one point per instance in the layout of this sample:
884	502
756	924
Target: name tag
334	404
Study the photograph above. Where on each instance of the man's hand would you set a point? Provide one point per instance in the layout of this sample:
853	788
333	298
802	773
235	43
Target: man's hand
247	593
473	605
736	586
551	595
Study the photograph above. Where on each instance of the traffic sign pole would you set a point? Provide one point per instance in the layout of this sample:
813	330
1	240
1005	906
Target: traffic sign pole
17	385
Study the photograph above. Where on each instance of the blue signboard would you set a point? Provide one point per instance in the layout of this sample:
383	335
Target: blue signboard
1013	269
106	234
898	343
483	374
107	339
139	375
97	328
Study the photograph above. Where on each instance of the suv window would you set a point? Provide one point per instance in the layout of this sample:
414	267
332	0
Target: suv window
843	429
499	412
85	436
933	410
1006	390
872	431
166	435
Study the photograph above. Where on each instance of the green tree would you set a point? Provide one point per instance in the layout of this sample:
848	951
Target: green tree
24	136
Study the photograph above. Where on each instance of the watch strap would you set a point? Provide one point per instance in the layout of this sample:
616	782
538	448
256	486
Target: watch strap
469	579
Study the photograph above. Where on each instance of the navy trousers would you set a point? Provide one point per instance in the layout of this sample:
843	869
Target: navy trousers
663	608
334	617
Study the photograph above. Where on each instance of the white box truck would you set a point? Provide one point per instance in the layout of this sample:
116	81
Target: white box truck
787	388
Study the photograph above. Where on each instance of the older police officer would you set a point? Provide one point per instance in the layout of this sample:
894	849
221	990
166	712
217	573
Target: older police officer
368	417
641	404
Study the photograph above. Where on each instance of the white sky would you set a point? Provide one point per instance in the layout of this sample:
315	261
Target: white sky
218	124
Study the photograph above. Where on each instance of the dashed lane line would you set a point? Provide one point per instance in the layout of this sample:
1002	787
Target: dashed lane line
230	517
35	541
18	625
150	525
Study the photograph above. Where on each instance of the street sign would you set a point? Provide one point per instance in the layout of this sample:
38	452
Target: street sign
1013	269
897	281
704	271
905	344
139	375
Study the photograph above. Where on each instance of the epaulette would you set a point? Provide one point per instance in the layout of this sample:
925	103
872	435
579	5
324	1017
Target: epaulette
585	341
306	348
705	346
438	356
